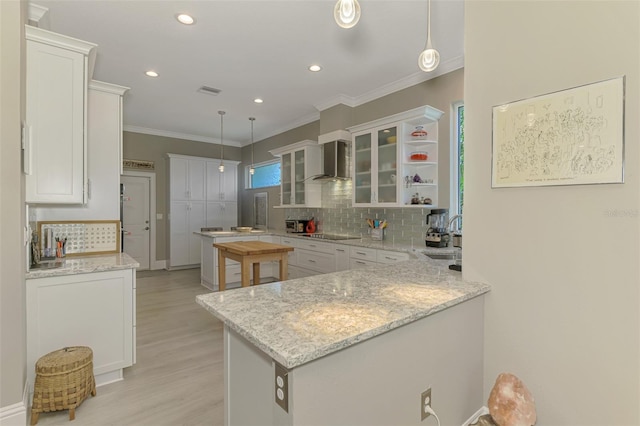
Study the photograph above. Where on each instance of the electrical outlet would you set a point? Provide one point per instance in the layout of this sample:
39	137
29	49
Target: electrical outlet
425	400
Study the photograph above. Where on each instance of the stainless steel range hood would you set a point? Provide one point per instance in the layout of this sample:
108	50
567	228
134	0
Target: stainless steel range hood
335	155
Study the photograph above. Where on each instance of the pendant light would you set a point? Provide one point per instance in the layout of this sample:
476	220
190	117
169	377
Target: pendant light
347	13
429	58
252	169
221	166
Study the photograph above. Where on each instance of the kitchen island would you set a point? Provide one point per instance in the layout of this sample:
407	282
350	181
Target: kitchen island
353	347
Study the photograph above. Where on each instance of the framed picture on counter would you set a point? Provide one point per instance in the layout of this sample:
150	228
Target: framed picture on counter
571	137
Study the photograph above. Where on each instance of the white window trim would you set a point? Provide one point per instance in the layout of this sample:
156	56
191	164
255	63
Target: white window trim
453	160
247	176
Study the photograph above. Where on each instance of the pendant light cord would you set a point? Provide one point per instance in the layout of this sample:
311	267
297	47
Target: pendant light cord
429	26
221	137
252	119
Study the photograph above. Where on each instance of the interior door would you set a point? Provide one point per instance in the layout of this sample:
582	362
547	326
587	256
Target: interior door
135	218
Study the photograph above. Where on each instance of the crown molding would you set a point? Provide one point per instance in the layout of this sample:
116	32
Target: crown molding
37	13
310	118
395	86
177	135
108	87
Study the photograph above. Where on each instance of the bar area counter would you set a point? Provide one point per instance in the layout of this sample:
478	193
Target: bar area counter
353	347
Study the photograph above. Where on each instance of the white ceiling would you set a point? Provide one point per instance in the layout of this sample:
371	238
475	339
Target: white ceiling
252	49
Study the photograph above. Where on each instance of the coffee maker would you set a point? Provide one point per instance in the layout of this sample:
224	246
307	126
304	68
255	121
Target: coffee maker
437	233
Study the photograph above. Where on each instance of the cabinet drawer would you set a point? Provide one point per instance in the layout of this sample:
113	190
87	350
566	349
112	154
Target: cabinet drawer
363	253
342	257
358	263
386	256
316	261
288	241
317	246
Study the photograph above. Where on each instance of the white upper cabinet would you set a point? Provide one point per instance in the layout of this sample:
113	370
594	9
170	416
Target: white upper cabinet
222	186
104	158
395	160
58	71
299	162
187	178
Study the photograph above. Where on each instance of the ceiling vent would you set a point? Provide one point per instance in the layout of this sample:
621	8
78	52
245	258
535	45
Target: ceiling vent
209	90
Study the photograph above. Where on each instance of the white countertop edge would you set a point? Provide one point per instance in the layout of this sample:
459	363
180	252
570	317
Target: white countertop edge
86	265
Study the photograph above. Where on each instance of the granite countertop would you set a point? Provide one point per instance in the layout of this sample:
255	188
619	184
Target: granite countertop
85	265
297	321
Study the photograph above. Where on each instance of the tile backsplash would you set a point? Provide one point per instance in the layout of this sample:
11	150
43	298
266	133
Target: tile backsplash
337	216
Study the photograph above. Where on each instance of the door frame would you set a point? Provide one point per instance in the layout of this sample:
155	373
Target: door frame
153	263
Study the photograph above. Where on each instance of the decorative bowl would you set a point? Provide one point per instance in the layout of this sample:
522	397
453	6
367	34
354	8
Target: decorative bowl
419	133
392	139
244	228
419	156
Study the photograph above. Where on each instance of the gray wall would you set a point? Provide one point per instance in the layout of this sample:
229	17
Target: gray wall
563	313
12	210
138	146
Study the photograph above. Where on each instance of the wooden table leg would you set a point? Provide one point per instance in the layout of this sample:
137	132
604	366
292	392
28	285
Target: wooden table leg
256	273
245	272
222	271
284	267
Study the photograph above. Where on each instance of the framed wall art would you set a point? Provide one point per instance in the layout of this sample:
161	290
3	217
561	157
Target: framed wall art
571	137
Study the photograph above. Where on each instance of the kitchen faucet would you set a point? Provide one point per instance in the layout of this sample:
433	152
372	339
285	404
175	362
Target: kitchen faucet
453	218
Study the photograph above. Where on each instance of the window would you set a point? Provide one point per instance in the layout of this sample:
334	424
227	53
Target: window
457	160
266	174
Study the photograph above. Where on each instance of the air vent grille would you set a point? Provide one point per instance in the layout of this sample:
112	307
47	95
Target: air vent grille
209	90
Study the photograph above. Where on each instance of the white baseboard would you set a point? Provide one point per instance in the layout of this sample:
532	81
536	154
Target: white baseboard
16	414
159	264
481	412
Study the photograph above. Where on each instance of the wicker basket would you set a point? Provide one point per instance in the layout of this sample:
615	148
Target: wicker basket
64	378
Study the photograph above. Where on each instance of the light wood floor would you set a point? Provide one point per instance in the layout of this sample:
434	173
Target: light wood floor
178	376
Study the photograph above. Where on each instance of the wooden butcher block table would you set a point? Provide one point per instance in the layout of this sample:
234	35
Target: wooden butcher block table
247	253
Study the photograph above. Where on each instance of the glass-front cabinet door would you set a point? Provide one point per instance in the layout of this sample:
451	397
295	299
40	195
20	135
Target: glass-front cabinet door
362	166
299	174
286	179
376	167
386	189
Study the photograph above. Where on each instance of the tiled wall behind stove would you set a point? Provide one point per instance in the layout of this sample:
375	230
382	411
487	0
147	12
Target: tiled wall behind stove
337	216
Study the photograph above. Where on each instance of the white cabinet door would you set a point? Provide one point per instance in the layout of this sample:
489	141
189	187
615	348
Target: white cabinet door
222	214
342	258
56	84
197	220
299	162
95	310
179	178
179	236
213	180
229	183
104	141
196	186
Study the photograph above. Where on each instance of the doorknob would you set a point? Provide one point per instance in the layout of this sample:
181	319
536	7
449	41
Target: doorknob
146	229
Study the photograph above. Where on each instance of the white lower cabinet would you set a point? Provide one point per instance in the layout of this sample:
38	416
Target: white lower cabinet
97	310
342	258
187	217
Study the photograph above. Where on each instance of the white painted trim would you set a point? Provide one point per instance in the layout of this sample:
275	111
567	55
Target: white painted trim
191	157
37	12
159	264
101	86
481	412
420	112
453	158
310	118
59	40
292	147
411	80
16	414
178	135
336	135
152	210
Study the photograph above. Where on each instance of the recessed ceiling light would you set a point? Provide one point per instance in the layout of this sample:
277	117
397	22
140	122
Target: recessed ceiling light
185	19
315	68
258	100
151	74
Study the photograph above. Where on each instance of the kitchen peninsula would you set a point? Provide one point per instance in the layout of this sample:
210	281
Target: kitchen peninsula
353	347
